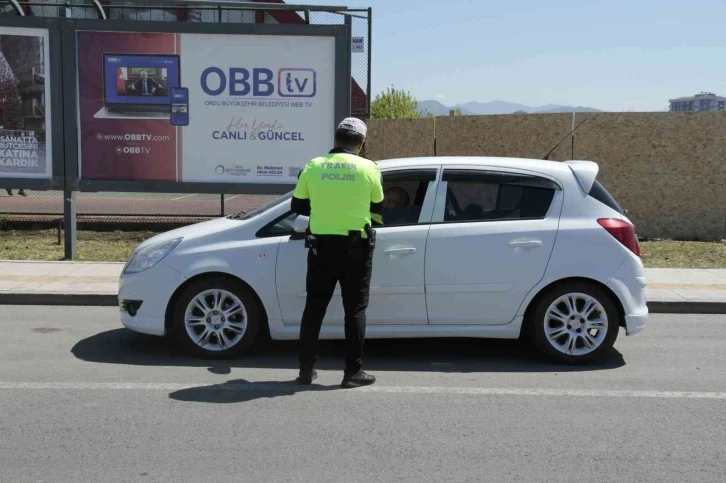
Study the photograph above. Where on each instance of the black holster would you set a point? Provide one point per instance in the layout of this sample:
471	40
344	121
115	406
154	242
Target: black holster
311	242
355	243
371	233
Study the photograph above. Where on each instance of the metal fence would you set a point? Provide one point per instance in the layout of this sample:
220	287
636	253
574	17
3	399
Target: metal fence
124	210
124	207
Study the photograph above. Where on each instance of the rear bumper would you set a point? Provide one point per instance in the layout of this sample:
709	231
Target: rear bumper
635	323
629	286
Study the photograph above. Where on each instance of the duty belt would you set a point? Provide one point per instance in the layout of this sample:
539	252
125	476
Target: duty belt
355	240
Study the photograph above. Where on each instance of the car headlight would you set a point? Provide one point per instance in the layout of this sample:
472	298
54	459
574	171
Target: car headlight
149	256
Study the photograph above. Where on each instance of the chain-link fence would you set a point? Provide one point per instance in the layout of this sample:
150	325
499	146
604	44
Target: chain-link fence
360	62
170	206
167	205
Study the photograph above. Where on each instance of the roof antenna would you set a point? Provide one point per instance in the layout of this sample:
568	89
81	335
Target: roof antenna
575	128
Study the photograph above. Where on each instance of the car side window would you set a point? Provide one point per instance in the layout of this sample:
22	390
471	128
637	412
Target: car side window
491	196
404	193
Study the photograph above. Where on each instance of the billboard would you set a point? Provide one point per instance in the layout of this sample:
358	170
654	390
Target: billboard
203	107
25	117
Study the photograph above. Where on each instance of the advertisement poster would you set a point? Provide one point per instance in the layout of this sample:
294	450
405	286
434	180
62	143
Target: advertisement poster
203	107
25	141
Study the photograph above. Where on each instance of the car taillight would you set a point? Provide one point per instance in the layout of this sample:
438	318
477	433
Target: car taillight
623	231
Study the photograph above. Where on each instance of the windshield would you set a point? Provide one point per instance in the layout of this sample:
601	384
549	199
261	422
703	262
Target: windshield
245	215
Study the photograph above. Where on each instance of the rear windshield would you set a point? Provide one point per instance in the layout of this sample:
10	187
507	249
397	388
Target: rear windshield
599	192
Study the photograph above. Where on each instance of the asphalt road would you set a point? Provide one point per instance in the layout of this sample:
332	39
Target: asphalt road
82	400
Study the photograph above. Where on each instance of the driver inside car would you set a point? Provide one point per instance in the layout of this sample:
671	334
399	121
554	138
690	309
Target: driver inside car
395	206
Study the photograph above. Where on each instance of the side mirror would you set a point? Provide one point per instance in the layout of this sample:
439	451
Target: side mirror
301	224
299	227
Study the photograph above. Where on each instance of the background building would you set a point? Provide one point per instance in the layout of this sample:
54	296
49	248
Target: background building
705	101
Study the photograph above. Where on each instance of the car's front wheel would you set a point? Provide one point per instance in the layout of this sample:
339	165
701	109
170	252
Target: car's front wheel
216	317
575	323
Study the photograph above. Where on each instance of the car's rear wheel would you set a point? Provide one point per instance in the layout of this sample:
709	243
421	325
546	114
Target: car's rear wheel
216	317
575	323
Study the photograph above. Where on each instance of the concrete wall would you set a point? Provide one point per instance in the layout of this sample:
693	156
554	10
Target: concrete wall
520	136
400	138
667	169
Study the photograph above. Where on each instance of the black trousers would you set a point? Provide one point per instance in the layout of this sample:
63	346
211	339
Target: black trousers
335	262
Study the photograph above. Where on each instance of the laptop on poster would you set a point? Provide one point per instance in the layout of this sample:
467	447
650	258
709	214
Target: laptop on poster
138	86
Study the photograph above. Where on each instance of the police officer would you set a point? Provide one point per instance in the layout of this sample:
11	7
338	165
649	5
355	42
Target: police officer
339	192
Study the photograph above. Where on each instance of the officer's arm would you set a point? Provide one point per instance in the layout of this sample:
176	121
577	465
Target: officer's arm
300	203
301	207
376	192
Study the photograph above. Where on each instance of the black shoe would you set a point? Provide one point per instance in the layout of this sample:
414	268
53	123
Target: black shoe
307	375
22	193
358	379
10	192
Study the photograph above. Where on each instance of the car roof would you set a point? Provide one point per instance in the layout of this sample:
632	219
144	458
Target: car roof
557	169
524	163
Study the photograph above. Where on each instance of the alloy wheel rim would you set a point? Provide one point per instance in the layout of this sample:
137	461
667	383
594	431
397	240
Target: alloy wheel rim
576	324
215	320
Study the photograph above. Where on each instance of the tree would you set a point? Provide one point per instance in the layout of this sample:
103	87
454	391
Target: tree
394	104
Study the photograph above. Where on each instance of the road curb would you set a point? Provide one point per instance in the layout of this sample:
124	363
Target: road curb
108	300
687	307
81	300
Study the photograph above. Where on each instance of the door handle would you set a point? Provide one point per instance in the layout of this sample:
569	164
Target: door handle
526	244
400	251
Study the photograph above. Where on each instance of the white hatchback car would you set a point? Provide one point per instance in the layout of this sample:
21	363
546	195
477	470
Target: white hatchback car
478	247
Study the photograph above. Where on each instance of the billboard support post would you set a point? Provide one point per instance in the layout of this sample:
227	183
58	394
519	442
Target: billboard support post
70	136
369	89
69	224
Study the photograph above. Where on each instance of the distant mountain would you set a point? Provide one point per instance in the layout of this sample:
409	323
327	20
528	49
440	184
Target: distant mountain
494	107
545	108
434	107
499	107
438	109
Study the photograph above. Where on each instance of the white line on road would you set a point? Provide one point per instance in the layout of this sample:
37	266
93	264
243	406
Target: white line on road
182	197
285	387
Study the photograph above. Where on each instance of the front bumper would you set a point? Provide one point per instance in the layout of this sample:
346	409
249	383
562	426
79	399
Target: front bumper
154	289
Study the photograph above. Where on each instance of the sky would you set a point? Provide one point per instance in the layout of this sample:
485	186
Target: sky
615	55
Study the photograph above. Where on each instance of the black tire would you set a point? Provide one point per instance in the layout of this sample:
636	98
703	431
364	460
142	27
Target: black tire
536	324
244	294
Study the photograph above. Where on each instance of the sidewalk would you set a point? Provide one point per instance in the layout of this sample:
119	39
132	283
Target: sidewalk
64	283
59	283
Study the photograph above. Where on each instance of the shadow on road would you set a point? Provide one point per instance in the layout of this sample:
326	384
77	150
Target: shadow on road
122	346
240	390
